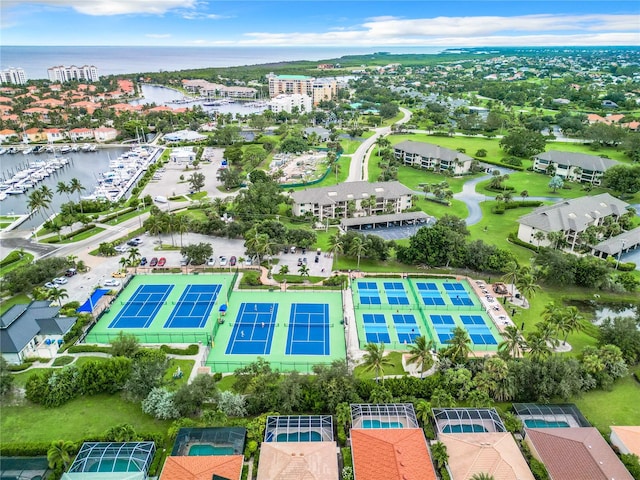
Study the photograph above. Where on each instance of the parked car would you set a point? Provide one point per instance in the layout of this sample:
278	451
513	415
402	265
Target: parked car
162	261
49	285
211	261
153	262
121	249
248	262
118	275
60	280
184	261
316	259
300	261
143	261
304	260
223	260
70	272
232	261
112	282
135	242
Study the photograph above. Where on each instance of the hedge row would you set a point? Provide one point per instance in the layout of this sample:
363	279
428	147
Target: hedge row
501	164
88	349
513	238
500	208
190	350
74	233
117	214
13	257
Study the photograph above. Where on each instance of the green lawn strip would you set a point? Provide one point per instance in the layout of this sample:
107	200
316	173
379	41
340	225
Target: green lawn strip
330	179
80	418
391	266
26	259
128	216
20	379
457	207
15	300
394	357
616	407
194	214
349	146
8	218
295	278
415	178
4	225
185	365
77	238
227	383
537	185
197	195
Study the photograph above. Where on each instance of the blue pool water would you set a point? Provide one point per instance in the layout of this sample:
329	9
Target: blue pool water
299	437
380	424
465	428
540	423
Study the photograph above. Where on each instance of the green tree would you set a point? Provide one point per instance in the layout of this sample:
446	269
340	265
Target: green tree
375	360
624	179
357	248
196	181
75	186
459	345
420	354
514	343
521	142
303	270
527	286
198	252
538	347
556	183
57	295
125	345
6	378
59	454
439	454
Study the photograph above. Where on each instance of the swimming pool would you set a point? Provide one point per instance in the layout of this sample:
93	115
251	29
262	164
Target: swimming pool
541	423
380	424
464	428
299	437
205	449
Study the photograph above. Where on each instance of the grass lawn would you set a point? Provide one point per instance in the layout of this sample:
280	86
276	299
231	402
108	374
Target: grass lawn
75	238
194	214
226	383
80	418
396	369
197	195
537	185
127	216
617	407
26	259
350	146
185	365
457	207
470	144
15	300
330	179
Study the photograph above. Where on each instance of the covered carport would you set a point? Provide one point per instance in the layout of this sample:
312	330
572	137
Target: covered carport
618	245
386	221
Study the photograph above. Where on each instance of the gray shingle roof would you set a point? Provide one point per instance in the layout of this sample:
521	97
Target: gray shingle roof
613	245
585	162
350	191
431	151
393	217
18	326
575	214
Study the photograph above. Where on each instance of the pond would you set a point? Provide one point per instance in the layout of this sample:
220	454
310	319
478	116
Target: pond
597	312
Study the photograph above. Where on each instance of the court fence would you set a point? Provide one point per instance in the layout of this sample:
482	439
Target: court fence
224	366
159	337
232	284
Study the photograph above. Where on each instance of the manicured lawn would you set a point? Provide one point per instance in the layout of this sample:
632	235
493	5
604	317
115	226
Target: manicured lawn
617	407
75	238
127	216
81	418
470	144
197	195
537	185
396	369
15	300
226	383
194	214
185	365
26	259
349	146
457	207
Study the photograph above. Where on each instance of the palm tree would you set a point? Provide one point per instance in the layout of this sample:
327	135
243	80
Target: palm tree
72	259
303	271
76	187
374	359
423	411
527	286
181	224
37	202
511	274
59	454
124	262
284	269
420	354
439	454
524	194
335	245
343	414
382	142
539	236
571	322
357	248
514	343
482	476
62	187
57	295
459	345
548	331
537	346
154	225
134	255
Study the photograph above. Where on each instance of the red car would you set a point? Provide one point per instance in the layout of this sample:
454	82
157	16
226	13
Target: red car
232	261
153	262
162	261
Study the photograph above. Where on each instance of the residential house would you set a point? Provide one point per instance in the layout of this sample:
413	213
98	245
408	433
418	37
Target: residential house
34	135
352	199
105	134
432	157
24	328
287	102
626	439
207	467
80	134
571	217
54	135
37	112
8	135
577	167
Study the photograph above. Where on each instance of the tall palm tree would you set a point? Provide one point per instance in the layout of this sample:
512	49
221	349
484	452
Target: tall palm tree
181	224
511	274
439	454
538	347
571	322
303	270
374	359
459	345
548	331
336	245
62	187
154	226
124	262
357	248
527	286
420	354
514	343
75	186
57	295
37	202
59	454
423	411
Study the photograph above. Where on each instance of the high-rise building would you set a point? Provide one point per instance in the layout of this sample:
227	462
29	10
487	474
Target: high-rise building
63	74
13	75
318	89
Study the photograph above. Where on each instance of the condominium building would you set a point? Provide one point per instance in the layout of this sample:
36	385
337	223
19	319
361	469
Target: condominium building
432	157
574	166
286	103
318	89
64	74
215	90
12	75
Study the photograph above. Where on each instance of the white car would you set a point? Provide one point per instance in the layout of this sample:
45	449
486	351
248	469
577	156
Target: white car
60	281
223	261
121	249
211	262
112	282
50	285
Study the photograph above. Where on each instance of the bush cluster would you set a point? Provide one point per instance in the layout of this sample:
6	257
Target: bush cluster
190	350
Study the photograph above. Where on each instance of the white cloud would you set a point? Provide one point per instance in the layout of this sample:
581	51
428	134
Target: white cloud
469	31
203	16
111	7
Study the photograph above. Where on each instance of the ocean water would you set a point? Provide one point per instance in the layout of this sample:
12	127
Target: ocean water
124	60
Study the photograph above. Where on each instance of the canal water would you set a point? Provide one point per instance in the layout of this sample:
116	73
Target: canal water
85	166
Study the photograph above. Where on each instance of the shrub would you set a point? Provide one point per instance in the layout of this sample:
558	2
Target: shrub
252	447
513	238
342	436
514	161
19	368
251	278
89	349
190	350
62	361
335	281
481	153
217	376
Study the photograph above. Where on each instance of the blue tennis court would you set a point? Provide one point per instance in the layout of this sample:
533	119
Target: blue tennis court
481	335
253	329
454	287
368	292
460	299
308	332
194	306
373	318
430	294
396	294
377	333
406	328
472	320
140	310
443	325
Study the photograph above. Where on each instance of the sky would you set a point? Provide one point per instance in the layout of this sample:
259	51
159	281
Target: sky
417	23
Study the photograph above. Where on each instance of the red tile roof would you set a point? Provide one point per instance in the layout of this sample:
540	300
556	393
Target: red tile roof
391	454
576	453
202	468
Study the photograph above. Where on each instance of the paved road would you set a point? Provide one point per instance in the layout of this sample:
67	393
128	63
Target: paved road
358	170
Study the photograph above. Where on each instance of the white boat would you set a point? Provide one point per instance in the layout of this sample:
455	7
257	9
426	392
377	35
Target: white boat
2	196
3	151
65	149
92	148
27	151
15	190
75	148
86	147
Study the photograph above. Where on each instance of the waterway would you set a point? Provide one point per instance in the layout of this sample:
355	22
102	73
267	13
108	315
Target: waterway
155	94
84	166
